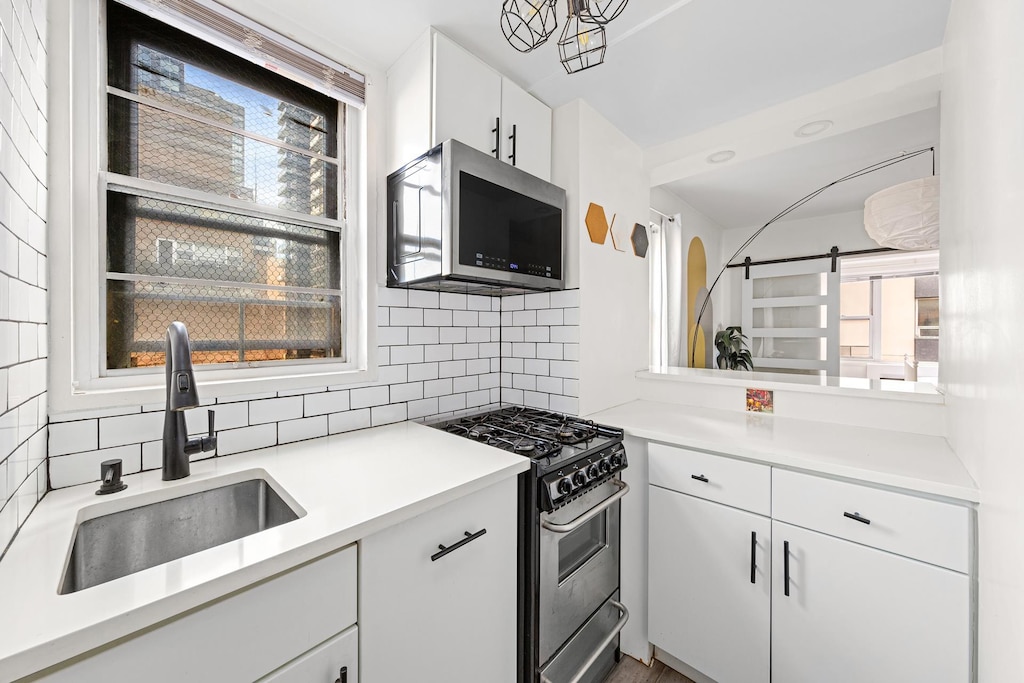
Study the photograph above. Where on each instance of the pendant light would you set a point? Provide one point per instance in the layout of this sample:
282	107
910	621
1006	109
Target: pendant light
583	44
905	216
527	24
603	11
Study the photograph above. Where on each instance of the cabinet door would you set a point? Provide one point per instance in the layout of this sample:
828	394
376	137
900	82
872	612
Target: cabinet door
531	120
336	661
856	614
453	619
467	97
704	609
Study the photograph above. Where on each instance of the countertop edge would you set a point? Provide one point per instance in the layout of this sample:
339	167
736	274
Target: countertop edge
41	657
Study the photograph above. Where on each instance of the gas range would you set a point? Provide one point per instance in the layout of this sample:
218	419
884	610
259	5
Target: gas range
571	455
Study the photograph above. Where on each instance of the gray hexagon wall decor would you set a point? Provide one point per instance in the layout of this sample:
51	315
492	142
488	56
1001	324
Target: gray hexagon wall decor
640	240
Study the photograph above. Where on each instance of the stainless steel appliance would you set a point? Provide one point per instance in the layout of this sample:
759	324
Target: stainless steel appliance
460	220
570	614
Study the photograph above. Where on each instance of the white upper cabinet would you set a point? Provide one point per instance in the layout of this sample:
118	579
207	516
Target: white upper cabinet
437	90
526	130
467	98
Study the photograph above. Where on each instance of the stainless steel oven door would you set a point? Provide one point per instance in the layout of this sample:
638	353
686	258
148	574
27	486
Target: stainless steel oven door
579	563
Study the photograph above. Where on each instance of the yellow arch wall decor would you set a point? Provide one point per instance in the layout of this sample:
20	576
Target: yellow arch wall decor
696	280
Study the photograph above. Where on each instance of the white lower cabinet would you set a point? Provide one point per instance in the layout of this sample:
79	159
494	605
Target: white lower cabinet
243	637
856	614
866	584
336	661
710	584
430	615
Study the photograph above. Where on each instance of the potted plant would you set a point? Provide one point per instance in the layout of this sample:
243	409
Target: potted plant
732	349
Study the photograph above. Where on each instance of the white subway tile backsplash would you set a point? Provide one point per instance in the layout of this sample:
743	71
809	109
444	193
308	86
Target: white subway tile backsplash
437	352
571	387
453	335
565	334
570	316
451	402
423	299
566	369
465	351
524	318
565	404
400	393
478	334
71	470
422	408
465	318
524	382
369	396
452	368
393	336
513	303
437	317
475	399
549	351
408	317
382	415
348	421
571	351
510	395
566	298
512	364
489	319
549	316
392	297
422	371
383	316
550	385
323	404
535	399
392	374
453	301
227	416
476	302
74	437
534	366
130	429
424	335
479	366
513	334
407	354
539	300
246	439
289	431
461	385
490	380
524	350
273	410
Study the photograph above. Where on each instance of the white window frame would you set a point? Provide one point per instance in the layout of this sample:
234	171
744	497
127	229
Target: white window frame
76	228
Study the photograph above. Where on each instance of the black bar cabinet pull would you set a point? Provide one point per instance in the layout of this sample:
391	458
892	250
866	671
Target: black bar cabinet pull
444	550
497	138
342	675
855	516
753	557
785	567
699	477
512	137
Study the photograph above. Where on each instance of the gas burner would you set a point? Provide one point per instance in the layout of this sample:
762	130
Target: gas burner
523	447
480	431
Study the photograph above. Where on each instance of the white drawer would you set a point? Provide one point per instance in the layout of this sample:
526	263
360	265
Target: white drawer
737	483
926	530
324	663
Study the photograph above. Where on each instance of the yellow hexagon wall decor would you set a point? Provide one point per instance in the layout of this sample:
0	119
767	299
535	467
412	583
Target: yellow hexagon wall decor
597	223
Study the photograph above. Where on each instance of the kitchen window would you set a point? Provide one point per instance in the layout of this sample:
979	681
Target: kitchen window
229	164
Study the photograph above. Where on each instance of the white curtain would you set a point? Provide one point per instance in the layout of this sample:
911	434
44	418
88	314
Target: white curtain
668	297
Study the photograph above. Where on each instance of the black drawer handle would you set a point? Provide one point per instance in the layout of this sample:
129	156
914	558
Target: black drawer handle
753	557
342	675
856	517
699	477
785	567
451	548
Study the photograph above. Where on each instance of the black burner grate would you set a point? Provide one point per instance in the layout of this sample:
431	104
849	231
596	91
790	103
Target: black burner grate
528	431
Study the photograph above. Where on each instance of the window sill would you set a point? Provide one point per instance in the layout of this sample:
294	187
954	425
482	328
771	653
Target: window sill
148	390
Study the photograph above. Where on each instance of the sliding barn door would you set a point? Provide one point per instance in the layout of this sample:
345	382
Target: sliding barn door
791	316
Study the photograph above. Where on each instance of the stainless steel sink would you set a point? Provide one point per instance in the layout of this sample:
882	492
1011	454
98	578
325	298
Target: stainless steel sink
121	543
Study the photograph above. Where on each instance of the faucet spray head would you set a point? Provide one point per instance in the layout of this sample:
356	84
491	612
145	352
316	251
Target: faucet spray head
181	383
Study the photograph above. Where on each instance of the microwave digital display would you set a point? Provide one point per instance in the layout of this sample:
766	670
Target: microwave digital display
504	230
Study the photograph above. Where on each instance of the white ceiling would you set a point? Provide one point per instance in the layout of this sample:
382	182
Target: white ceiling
673	67
749	194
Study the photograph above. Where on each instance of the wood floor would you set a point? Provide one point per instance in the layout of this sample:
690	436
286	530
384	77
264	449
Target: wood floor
630	670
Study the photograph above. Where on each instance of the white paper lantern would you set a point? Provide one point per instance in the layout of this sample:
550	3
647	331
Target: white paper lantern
905	216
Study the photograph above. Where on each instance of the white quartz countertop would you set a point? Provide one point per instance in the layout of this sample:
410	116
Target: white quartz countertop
919	463
349	485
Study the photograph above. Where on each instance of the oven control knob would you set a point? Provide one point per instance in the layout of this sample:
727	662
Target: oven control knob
605	466
615	460
593	472
580	478
565	486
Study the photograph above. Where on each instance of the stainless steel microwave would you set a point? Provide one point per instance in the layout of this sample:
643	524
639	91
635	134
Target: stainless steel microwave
462	221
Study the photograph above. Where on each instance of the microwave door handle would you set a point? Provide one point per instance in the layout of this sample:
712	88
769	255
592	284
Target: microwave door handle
591	513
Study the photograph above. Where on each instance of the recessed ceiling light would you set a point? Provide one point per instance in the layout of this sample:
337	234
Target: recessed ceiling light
722	157
813	128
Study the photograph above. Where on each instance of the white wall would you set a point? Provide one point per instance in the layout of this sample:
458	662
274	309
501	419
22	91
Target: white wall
785	239
982	299
596	163
23	263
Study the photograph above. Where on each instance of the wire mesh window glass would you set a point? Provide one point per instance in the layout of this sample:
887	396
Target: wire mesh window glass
224	205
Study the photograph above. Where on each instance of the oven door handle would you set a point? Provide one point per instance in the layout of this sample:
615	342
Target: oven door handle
589	514
582	671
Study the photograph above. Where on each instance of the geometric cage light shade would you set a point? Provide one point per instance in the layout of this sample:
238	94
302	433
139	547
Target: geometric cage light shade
905	216
527	24
582	45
